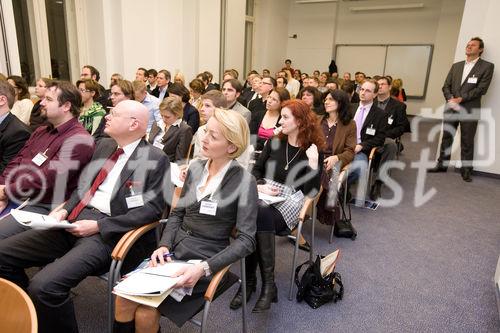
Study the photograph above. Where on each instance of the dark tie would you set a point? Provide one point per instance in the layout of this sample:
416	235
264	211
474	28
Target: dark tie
101	176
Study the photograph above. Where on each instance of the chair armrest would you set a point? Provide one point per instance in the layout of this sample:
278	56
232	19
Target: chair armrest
306	207
214	283
372	153
128	240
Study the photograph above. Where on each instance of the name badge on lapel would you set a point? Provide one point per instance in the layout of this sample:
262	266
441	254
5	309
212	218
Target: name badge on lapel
158	145
134	201
472	80
370	130
40	158
390	120
208	207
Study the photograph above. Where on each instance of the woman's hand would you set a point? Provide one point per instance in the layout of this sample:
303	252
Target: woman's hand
268	189
183	173
312	155
189	275
330	162
159	256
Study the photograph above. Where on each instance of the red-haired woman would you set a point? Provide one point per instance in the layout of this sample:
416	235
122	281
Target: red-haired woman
293	161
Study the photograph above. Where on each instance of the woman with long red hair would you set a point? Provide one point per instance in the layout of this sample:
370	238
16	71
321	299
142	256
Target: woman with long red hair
289	166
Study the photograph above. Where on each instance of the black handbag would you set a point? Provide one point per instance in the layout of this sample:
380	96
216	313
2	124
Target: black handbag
315	289
343	227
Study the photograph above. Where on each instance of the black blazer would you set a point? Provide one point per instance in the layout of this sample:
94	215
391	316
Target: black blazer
257	105
13	134
191	117
156	92
147	171
396	113
176	141
470	92
376	118
193	235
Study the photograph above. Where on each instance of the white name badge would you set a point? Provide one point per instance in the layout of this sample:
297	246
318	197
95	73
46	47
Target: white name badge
208	208
370	131
39	159
134	201
158	145
390	121
472	80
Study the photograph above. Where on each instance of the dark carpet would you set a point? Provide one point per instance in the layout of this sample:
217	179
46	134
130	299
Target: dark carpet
411	269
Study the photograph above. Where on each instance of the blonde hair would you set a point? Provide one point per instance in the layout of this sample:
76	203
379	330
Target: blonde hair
172	105
234	129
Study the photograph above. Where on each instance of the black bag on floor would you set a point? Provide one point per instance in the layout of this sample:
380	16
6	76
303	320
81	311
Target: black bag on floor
315	289
343	227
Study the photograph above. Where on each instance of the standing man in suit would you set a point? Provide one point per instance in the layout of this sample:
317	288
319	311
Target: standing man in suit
397	125
13	132
466	82
370	128
120	191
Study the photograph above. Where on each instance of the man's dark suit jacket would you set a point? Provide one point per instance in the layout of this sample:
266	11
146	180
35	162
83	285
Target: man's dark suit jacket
376	118
256	105
156	92
13	134
397	112
147	171
191	116
470	92
176	141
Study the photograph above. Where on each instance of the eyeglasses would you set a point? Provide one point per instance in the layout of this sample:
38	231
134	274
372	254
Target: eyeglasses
113	114
264	82
84	90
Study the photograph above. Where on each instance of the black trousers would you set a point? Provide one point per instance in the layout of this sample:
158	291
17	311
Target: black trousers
66	261
269	219
9	226
386	153
468	127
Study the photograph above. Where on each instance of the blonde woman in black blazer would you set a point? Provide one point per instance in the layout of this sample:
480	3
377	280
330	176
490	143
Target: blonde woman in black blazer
174	135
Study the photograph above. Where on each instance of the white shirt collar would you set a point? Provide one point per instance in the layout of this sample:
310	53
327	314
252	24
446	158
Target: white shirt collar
214	182
129	149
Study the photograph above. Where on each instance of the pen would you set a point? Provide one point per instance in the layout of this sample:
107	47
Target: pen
168	255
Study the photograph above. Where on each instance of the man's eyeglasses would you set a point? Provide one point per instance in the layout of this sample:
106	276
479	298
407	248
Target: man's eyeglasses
113	114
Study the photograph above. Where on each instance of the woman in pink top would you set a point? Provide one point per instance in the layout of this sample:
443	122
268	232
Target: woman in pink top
263	123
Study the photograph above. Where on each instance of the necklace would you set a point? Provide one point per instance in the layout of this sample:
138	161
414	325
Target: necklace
287	161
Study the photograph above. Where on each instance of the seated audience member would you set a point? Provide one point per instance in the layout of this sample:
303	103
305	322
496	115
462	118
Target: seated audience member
398	91
397	125
231	90
219	178
347	77
287	159
90	72
322	81
371	123
259	104
253	93
122	90
206	80
91	112
288	66
313	82
180	79
312	97
13	132
149	101
230	74
332	84
101	215
172	135
349	88
141	74
340	134
37	117
359	78
292	85
304	76
264	123
46	169
266	72
297	75
23	104
248	82
316	73
212	85
191	115
162	84
151	85
196	89
281	82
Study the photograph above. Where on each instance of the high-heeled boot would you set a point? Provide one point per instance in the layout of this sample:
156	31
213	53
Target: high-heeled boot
265	253
251	281
128	327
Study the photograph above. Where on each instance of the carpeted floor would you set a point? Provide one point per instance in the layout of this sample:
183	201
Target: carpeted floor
411	269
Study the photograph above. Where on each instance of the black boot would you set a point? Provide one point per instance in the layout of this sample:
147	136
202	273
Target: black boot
251	281
438	168
375	190
128	327
265	253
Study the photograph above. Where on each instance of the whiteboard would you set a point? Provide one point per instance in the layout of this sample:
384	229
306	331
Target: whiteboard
411	63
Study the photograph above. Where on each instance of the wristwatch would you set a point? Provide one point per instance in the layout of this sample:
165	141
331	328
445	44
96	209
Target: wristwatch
206	268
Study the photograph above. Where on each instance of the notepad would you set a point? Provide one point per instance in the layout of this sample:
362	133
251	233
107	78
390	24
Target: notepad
39	221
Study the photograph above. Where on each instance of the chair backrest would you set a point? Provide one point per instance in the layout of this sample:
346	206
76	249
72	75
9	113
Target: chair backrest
17	312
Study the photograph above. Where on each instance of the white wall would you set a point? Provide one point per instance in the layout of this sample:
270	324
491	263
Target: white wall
270	34
314	25
235	36
481	19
